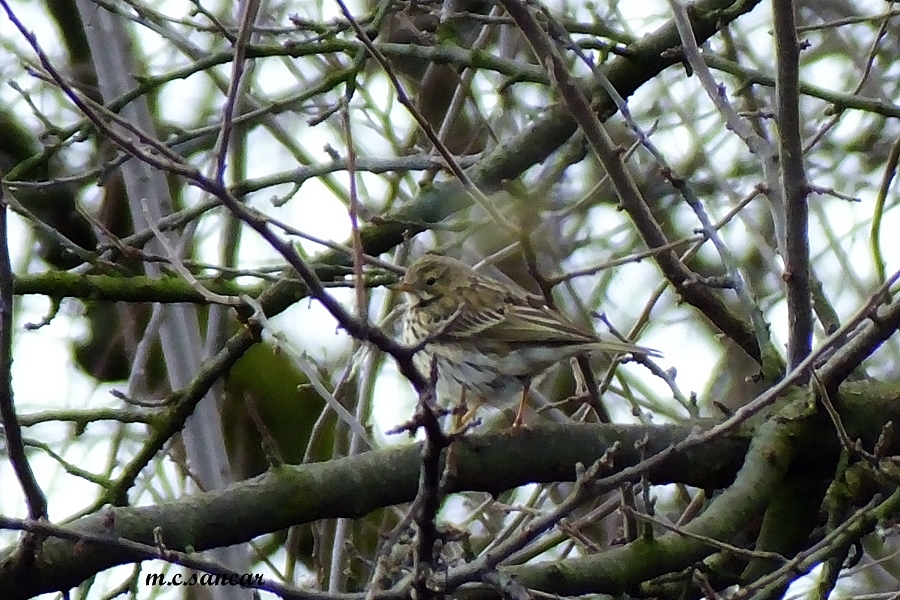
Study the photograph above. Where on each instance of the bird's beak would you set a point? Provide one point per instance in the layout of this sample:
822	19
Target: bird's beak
402	286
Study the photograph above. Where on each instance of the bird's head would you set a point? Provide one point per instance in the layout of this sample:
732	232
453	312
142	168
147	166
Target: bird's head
432	276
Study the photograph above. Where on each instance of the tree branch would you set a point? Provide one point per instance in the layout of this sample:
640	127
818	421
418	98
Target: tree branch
12	430
357	485
794	185
354	486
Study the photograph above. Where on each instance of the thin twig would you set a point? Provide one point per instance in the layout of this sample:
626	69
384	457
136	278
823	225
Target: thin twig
853	528
174	260
794	186
890	171
428	496
713	543
433	137
755	143
629	195
308	369
585	485
160	552
358	252
249	10
12	430
342	526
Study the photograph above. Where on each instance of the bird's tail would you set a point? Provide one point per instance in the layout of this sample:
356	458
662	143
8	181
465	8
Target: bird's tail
614	347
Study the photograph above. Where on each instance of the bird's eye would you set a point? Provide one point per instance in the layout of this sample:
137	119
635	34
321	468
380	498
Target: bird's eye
431	280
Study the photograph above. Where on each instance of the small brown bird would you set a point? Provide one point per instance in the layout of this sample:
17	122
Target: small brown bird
489	337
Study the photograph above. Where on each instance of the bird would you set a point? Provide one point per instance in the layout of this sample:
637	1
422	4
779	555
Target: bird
489	337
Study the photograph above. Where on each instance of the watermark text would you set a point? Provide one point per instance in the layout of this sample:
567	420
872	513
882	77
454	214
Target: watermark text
204	579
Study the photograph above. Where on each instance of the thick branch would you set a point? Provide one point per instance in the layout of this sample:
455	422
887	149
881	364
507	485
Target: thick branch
139	288
618	569
355	486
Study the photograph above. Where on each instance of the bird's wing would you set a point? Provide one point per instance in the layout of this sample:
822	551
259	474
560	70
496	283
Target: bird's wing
481	310
467	322
529	320
488	315
494	314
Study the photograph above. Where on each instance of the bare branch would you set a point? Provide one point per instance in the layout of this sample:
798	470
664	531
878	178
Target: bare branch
794	186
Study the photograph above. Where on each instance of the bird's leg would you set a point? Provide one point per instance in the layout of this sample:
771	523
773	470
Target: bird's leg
519	421
460	411
467	413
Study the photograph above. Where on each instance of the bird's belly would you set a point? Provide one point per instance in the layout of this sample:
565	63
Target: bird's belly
491	377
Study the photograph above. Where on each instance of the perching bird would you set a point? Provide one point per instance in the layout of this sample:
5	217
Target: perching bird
489	337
